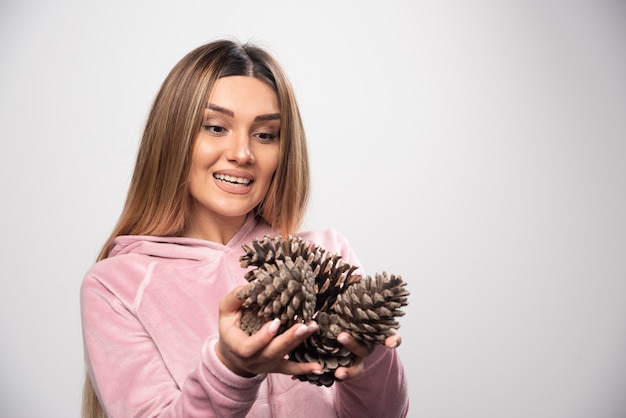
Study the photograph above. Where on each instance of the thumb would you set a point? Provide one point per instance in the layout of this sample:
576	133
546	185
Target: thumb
231	303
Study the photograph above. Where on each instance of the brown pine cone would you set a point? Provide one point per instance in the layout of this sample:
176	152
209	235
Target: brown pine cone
368	309
323	348
297	281
283	290
332	274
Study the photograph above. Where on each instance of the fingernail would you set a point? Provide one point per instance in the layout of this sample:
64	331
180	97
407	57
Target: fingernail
318	372
302	330
343	339
342	376
393	345
273	328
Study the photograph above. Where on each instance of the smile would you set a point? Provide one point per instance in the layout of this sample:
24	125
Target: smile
233	180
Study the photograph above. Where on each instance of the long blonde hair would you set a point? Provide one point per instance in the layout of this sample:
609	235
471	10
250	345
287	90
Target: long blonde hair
158	197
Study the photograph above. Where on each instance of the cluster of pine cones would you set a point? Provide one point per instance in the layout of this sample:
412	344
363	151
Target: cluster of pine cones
297	281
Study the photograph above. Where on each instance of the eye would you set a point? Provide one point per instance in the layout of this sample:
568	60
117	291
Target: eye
214	129
267	137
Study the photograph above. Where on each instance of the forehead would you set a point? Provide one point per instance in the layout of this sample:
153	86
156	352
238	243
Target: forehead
244	94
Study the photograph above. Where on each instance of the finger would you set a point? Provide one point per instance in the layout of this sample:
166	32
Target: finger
347	373
230	303
351	344
236	348
264	348
275	346
290	339
296	369
393	341
250	345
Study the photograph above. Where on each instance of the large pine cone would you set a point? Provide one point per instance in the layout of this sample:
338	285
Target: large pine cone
297	281
368	310
282	290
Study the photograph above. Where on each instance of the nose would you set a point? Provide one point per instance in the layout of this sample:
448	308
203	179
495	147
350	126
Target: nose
239	150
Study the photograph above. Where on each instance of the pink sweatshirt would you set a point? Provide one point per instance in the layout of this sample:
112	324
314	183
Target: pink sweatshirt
150	313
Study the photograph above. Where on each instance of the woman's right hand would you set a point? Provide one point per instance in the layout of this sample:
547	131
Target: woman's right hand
262	352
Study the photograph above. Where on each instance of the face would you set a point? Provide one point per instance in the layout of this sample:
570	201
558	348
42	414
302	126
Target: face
236	151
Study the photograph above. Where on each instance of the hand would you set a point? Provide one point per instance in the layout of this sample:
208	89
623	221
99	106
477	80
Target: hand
262	352
360	352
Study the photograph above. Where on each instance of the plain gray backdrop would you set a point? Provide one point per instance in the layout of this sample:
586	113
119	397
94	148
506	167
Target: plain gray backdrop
477	148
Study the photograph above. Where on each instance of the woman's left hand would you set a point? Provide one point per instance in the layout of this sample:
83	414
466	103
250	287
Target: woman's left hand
360	351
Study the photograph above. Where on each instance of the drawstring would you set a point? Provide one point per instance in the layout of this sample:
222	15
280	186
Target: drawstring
269	393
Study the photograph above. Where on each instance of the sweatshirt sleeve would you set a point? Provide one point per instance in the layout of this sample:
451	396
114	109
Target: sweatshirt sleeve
381	390
132	380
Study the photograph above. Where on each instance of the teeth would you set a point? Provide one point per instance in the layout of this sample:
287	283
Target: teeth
232	179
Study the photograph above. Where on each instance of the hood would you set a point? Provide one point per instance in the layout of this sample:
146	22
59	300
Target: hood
179	247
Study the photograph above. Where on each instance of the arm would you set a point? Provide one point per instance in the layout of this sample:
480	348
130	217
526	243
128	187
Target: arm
131	378
376	384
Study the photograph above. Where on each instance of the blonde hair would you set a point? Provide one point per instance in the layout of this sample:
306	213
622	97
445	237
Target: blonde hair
158	197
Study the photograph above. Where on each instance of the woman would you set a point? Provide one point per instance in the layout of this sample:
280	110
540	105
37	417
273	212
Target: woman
222	160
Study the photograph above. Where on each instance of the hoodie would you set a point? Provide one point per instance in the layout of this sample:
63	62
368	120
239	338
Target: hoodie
150	325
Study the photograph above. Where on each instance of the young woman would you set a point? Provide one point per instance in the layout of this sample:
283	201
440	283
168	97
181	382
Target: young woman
223	160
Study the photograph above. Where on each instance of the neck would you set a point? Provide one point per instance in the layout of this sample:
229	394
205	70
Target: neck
220	230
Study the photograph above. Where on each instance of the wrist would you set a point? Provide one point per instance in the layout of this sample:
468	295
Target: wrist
229	365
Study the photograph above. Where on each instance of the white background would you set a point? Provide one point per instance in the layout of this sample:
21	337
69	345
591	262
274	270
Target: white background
477	148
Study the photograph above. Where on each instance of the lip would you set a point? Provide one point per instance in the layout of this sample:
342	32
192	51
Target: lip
222	178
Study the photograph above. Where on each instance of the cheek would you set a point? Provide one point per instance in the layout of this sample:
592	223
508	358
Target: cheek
196	174
205	153
269	162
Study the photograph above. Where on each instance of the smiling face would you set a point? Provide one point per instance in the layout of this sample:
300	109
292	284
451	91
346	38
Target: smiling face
234	156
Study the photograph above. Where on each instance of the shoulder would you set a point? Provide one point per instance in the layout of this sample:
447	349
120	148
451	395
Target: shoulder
135	259
332	241
120	276
329	238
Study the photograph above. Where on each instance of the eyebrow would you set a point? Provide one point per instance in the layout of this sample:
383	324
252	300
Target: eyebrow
230	113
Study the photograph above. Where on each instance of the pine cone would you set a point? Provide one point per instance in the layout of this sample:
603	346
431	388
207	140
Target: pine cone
368	309
283	290
297	281
323	348
331	273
